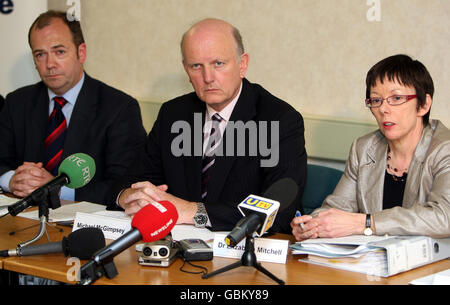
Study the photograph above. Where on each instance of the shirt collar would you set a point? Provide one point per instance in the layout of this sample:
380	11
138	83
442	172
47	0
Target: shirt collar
226	112
71	95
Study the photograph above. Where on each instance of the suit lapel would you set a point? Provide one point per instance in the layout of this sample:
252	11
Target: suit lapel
193	164
82	117
372	176
36	125
244	110
416	168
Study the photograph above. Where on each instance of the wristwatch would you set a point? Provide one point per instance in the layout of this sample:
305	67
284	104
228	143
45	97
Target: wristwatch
200	218
368	229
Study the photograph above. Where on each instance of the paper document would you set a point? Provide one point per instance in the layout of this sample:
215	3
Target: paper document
349	246
113	214
347	240
180	232
374	255
6	201
372	263
66	212
440	278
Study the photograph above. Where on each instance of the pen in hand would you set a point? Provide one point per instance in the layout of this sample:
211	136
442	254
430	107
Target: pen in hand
298	214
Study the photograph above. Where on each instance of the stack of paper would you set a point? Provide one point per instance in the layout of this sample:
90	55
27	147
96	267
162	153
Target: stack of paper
66	212
353	253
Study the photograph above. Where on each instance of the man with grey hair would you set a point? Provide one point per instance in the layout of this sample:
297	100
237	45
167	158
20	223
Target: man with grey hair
207	180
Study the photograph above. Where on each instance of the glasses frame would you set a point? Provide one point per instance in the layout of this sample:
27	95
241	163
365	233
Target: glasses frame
408	98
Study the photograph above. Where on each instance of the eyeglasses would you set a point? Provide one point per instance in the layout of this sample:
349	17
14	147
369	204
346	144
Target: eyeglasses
394	100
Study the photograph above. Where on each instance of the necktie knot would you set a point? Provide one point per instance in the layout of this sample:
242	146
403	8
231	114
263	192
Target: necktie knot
60	101
216	117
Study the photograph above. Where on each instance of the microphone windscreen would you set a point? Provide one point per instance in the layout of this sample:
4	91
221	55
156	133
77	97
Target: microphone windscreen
83	243
79	168
155	220
284	191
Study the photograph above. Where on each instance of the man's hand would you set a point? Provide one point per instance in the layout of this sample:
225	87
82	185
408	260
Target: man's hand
142	193
28	177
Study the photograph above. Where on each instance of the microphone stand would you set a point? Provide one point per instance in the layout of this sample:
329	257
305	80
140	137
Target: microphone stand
248	259
48	198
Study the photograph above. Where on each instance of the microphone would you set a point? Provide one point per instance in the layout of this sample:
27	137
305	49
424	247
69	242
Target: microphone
153	222
260	212
74	172
81	243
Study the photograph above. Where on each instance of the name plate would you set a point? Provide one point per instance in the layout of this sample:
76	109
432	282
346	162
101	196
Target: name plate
266	250
112	227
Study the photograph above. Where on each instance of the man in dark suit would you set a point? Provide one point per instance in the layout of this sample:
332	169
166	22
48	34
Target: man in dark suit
95	119
187	168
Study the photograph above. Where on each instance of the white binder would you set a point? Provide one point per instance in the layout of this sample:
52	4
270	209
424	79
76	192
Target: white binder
409	252
380	256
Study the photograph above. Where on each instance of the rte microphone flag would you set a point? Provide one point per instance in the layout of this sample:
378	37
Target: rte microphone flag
74	172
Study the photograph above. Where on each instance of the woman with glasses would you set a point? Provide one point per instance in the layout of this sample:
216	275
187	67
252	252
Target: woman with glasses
397	179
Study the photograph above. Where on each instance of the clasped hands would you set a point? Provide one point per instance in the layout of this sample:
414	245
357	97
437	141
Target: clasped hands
142	193
28	177
330	223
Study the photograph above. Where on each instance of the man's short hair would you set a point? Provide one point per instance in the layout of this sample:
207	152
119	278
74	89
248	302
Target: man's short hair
45	19
405	71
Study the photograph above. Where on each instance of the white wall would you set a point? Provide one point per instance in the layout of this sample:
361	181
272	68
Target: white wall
17	67
314	54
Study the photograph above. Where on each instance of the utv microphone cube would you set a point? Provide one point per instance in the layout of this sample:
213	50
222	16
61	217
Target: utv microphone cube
265	208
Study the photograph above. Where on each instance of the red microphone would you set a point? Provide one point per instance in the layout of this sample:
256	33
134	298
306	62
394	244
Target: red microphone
153	222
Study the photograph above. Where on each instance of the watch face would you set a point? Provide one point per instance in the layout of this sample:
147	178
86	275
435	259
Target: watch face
367	231
201	219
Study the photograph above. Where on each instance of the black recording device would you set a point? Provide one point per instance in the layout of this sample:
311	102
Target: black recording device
195	249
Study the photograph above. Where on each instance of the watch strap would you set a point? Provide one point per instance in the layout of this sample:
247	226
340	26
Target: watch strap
200	217
368	221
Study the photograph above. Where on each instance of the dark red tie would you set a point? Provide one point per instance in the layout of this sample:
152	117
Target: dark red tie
56	134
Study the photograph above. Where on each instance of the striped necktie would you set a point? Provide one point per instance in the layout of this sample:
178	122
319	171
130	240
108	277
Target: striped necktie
56	134
210	153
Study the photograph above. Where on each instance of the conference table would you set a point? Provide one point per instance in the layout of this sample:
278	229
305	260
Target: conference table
58	267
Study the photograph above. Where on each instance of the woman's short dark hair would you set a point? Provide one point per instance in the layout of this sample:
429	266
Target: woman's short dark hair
45	19
407	72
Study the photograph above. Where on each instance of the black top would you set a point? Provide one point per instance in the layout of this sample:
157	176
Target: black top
394	187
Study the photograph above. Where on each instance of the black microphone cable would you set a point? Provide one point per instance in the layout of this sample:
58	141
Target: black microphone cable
203	271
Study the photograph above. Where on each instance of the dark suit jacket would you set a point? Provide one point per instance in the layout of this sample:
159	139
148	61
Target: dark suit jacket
2	101
105	124
232	178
